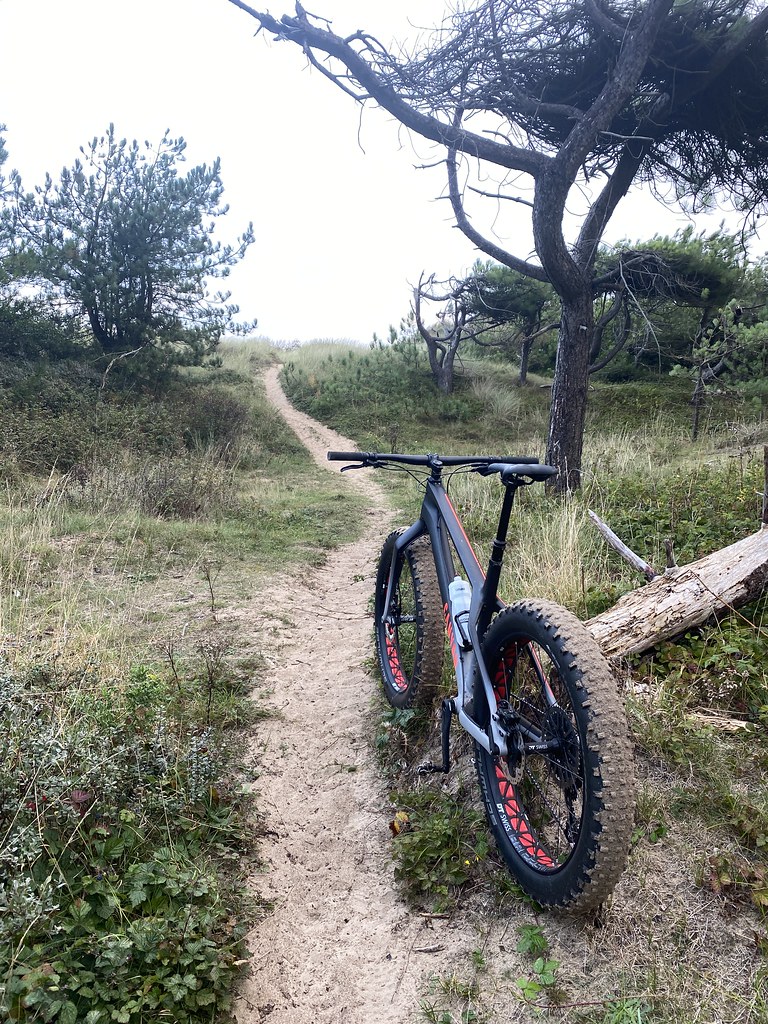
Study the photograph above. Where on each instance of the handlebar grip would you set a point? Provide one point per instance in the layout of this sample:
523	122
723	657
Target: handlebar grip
538	473
346	456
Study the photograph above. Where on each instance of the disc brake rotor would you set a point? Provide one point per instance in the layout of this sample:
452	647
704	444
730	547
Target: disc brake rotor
513	765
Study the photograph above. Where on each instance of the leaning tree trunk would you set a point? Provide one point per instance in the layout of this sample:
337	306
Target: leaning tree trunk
567	414
525	354
684	597
441	359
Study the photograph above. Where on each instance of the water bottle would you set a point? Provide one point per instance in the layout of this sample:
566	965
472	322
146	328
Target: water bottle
460	597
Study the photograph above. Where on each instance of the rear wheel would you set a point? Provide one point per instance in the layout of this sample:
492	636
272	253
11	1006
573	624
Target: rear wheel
561	814
409	641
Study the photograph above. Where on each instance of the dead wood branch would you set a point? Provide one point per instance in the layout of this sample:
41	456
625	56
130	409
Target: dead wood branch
626	553
684	597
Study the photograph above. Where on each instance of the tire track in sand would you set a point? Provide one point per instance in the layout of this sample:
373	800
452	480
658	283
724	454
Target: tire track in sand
336	947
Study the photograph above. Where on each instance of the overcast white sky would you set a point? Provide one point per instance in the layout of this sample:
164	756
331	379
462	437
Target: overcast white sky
344	221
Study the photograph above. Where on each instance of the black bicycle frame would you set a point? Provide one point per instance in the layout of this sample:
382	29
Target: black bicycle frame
438	519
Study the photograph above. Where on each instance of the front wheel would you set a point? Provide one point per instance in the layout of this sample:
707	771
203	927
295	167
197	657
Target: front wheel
561	803
409	636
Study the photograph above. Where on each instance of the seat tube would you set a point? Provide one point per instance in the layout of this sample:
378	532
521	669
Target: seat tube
491	585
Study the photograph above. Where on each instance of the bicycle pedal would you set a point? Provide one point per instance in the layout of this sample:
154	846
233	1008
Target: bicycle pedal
428	768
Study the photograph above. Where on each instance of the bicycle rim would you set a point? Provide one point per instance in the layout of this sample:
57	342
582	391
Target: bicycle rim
409	638
539	794
401	639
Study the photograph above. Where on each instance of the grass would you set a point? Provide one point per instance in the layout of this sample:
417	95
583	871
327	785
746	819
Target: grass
131	531
110	812
555	552
700	842
384	397
87	554
126	550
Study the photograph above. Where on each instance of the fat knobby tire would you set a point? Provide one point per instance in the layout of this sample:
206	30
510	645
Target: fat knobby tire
409	644
562	818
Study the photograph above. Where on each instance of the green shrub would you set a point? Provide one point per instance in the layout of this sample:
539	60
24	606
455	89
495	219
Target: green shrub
720	665
59	415
108	911
441	846
701	509
30	330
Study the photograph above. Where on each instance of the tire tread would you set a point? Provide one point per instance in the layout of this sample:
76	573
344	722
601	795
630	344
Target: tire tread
607	737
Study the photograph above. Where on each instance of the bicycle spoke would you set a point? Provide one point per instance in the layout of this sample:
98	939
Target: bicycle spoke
555	818
546	800
539	670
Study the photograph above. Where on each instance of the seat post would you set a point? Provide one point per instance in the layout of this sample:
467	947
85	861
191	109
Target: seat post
491	585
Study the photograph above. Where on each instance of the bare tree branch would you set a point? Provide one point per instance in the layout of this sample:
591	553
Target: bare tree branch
571	93
501	196
301	30
462	221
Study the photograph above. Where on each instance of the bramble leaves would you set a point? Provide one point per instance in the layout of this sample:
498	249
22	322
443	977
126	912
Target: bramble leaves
107	911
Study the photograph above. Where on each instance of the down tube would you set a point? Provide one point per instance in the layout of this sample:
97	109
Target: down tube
444	527
471	664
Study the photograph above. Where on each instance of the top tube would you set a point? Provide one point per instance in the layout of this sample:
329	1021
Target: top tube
368	458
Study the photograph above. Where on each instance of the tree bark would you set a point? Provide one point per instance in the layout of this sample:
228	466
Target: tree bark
525	354
443	373
569	393
684	597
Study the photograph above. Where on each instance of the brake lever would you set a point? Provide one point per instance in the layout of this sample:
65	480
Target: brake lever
368	464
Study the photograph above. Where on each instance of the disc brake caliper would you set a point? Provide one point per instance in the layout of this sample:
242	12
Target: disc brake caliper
513	765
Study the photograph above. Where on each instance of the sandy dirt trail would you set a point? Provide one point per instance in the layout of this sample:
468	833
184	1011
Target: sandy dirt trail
338	945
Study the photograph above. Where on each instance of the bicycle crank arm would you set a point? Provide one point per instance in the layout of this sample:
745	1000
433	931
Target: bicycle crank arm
448	711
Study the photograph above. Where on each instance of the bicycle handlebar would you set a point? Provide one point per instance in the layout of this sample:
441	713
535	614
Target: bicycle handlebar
378	458
508	472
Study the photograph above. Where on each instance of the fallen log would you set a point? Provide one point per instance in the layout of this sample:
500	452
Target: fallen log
684	597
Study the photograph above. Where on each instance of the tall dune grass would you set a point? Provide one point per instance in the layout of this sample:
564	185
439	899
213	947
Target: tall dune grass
553	551
246	355
311	356
68	597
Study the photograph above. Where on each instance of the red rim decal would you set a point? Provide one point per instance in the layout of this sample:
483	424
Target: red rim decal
509	804
401	683
519	824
